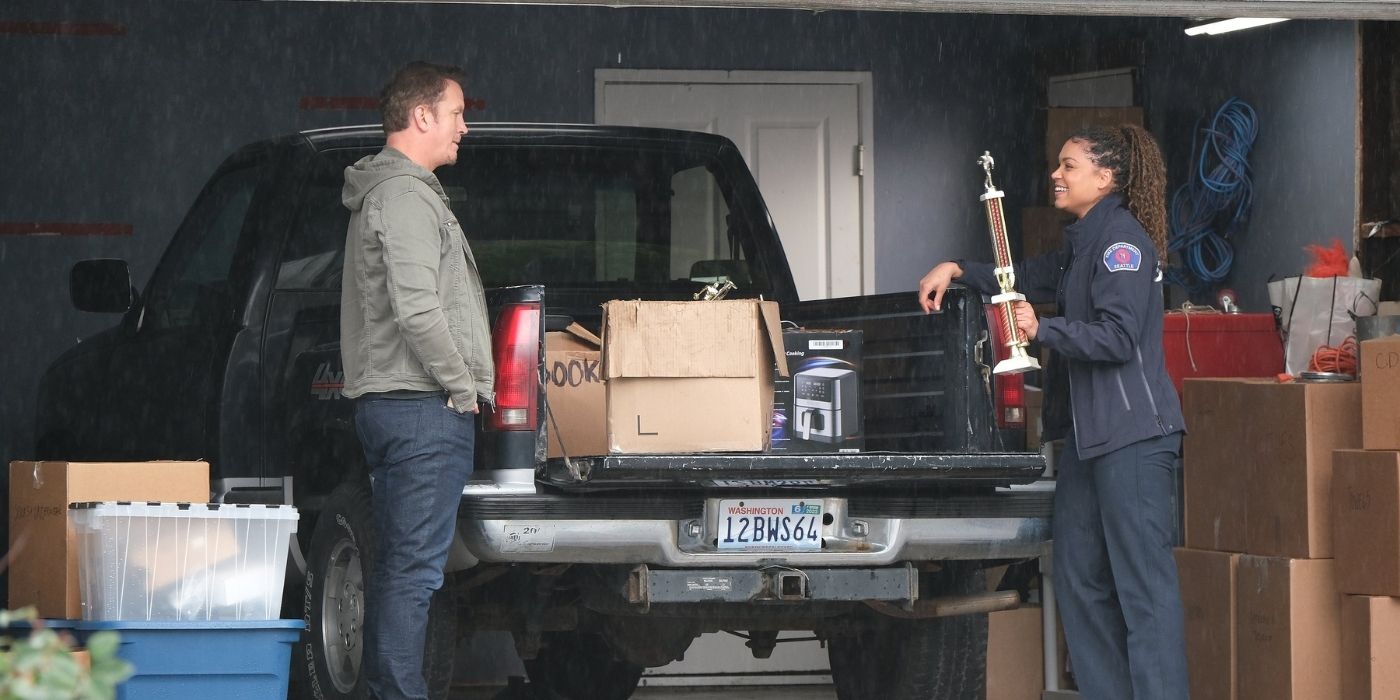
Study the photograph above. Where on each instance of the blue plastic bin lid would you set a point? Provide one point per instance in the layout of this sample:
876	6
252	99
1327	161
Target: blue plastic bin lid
98	625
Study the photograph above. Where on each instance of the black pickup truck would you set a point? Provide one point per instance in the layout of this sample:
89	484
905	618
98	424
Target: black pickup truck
599	566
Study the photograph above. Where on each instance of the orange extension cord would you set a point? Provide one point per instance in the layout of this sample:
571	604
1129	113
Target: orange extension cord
1340	359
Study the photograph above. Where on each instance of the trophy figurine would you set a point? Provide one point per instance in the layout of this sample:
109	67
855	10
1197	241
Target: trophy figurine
1019	361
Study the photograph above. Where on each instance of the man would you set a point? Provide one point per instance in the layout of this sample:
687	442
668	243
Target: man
417	355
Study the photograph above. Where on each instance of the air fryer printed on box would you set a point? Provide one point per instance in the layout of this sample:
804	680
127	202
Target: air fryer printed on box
817	408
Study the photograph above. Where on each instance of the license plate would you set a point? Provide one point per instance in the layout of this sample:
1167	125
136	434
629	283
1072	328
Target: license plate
770	525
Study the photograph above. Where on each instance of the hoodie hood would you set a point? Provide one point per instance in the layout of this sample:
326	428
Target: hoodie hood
367	173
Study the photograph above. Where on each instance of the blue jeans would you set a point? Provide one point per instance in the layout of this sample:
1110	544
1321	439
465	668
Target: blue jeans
1115	578
420	455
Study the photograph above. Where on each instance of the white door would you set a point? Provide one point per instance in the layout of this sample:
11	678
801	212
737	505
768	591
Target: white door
804	136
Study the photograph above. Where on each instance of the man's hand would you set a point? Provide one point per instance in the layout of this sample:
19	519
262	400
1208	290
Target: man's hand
452	405
1026	319
932	286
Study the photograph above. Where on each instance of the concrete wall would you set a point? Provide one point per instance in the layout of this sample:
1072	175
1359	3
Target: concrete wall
125	128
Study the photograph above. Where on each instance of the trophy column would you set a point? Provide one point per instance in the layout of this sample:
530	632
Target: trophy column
1019	361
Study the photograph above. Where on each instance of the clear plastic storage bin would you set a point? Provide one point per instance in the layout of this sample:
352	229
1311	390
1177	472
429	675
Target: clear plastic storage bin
181	561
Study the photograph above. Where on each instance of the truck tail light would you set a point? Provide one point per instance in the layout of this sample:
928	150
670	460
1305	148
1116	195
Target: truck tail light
515	346
1008	390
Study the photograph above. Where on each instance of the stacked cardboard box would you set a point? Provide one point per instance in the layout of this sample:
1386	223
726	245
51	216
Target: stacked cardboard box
43	548
1015	659
1263	611
1366	531
1208	582
1015	649
1370	643
1042	231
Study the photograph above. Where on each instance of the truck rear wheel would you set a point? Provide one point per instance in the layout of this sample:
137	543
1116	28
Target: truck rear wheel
941	658
329	664
579	666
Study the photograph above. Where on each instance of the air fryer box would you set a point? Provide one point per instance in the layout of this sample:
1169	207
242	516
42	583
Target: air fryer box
817	407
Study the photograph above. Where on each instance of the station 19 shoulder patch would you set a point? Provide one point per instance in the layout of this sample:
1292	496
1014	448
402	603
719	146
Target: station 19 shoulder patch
1122	256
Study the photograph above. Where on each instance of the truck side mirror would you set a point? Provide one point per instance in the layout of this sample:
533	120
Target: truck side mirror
102	286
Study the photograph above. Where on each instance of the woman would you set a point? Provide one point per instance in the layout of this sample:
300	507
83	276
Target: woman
1108	395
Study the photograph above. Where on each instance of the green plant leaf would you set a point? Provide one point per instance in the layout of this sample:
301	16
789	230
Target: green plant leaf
104	644
41	666
9	617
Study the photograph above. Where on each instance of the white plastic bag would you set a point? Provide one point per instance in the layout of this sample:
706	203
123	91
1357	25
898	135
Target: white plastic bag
1313	312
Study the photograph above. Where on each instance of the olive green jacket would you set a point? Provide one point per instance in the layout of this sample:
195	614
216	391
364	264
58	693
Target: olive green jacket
413	313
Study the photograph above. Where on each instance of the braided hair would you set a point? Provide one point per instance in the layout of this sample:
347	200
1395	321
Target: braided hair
1132	155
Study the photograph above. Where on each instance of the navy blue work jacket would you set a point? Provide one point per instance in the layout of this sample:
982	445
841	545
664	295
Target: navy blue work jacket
1108	289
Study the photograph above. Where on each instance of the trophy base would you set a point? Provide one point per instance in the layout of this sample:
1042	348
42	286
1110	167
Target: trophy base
1016	365
1007	297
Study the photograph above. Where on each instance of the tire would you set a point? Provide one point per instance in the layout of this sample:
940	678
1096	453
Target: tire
329	663
942	658
578	666
338	562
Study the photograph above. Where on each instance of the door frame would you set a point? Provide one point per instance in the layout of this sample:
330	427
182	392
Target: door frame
863	81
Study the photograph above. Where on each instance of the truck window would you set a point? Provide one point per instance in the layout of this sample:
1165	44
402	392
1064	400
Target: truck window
315	249
576	216
191	287
701	244
593	217
696	219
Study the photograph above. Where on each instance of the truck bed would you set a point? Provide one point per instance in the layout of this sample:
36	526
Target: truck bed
927	415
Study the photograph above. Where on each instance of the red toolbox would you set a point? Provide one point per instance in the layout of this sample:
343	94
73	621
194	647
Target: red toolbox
1220	345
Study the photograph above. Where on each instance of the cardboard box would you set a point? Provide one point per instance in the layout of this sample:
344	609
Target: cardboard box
690	376
1215	465
1015	656
1366	521
575	393
1042	230
1290	431
1035	414
818	408
1063	122
44	571
1289	631
1208	582
1380	385
1370	645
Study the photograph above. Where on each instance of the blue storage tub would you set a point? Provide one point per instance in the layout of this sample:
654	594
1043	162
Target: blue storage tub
208	660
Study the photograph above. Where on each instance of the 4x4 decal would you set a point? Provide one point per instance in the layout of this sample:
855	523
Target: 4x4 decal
327	384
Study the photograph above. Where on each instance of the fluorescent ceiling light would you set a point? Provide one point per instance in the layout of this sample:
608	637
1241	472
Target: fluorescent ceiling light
1230	25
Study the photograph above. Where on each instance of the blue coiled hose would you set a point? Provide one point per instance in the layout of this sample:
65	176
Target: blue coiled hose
1215	203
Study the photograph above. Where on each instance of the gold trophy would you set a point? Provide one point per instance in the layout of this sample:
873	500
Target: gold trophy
1019	361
